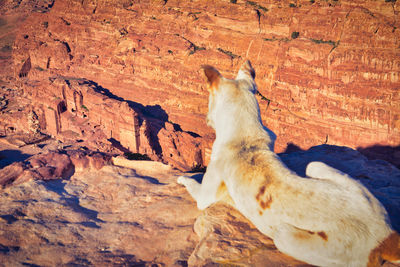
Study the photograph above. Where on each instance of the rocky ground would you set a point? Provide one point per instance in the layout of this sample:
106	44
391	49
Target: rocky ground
117	212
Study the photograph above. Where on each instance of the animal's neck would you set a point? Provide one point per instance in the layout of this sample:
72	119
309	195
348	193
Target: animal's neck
237	118
234	128
240	124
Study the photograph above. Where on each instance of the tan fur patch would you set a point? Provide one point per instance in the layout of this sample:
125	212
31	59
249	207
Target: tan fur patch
222	189
388	250
264	204
267	203
261	192
323	235
223	194
251	161
303	234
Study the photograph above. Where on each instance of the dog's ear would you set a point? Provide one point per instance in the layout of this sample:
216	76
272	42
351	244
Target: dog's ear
246	68
213	76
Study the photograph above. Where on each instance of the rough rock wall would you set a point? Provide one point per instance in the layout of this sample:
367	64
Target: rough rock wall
80	109
328	70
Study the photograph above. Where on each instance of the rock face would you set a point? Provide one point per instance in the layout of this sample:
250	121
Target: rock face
53	165
79	109
328	71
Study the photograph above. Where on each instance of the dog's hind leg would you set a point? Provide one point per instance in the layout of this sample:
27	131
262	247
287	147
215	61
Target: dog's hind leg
205	193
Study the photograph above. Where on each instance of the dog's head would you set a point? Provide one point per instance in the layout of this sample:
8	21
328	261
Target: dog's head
246	72
221	88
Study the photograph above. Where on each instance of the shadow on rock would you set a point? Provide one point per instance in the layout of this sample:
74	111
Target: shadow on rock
58	186
388	153
155	115
149	179
9	156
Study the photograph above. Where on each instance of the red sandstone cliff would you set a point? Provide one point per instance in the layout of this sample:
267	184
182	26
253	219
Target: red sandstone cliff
328	70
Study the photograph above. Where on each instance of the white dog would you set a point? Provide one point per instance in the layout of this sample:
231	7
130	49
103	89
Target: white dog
328	219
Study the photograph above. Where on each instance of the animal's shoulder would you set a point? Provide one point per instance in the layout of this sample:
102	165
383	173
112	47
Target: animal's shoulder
249	146
250	159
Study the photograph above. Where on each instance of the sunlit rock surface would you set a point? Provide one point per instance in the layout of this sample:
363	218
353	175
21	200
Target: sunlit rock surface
328	71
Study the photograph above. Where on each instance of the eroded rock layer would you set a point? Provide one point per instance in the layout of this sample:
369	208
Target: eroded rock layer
328	71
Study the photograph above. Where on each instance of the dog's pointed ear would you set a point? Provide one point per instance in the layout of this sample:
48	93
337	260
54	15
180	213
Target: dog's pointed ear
248	69
213	76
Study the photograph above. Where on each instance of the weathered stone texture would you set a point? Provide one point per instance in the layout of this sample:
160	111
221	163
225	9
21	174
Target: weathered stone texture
328	70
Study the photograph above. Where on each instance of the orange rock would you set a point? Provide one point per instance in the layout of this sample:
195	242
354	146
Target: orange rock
52	165
10	173
328	70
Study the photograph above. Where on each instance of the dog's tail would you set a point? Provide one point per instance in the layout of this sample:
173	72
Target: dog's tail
388	250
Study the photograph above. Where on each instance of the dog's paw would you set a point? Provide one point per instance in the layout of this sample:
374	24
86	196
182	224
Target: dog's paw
182	180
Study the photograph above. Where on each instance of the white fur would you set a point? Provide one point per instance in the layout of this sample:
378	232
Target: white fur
328	219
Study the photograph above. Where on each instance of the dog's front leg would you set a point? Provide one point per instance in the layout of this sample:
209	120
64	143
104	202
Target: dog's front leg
205	193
